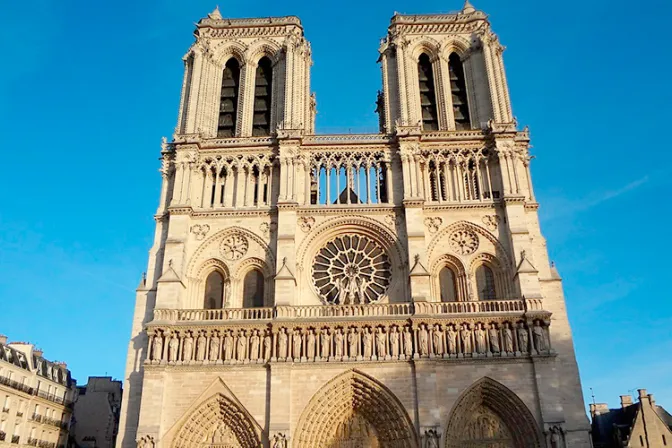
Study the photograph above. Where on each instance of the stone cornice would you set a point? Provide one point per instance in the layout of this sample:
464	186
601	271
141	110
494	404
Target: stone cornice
464	206
345	209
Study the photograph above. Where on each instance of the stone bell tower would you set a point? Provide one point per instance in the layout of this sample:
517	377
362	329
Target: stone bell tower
388	289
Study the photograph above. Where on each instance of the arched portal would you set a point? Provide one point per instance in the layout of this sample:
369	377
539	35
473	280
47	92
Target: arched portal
489	415
354	410
220	423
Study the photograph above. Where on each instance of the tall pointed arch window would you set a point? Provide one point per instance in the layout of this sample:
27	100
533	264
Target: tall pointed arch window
228	103
430	116
214	291
485	283
448	285
458	90
253	289
263	88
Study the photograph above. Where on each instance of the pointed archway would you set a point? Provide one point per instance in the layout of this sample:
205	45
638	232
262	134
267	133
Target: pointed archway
354	409
490	415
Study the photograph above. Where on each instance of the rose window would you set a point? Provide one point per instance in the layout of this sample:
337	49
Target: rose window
351	269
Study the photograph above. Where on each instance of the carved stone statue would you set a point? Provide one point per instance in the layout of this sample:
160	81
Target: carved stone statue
353	342
157	346
173	346
214	347
465	335
523	339
188	347
241	347
556	437
146	442
282	343
254	345
279	441
479	337
296	343
201	342
539	337
268	343
423	340
451	336
325	343
408	342
367	340
338	343
381	343
508	338
437	340
432	439
228	346
493	334
310	341
394	342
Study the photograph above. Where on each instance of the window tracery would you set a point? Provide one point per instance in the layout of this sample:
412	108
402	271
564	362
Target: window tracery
485	283
261	120
458	90
351	269
428	108
253	289
228	103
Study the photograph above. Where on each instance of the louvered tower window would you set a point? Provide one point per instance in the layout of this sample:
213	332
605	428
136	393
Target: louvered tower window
458	89
228	104
430	121
261	124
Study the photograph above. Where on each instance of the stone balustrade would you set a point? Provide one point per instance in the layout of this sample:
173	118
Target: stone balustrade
394	332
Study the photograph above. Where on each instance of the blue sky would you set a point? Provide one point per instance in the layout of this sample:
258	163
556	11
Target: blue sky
87	89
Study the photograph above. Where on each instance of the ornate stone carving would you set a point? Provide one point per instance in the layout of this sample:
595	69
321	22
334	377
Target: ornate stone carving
279	441
146	442
351	269
491	222
306	223
266	228
234	246
464	241
200	231
433	224
432	439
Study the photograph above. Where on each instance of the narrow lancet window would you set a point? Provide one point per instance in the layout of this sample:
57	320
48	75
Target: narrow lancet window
261	124
447	285
458	90
228	103
485	282
253	289
214	291
430	120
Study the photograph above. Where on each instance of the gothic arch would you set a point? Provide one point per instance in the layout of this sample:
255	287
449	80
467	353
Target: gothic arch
354	396
456	265
513	421
503	285
226	50
424	45
260	48
219	420
454	44
444	234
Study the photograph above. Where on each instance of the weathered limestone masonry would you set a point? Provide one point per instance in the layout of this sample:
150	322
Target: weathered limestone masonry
377	290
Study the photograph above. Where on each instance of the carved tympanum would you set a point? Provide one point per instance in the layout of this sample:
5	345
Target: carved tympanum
464	241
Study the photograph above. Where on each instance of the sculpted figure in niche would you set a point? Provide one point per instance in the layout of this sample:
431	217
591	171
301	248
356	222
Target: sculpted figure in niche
479	336
423	340
173	345
381	342
508	338
351	288
394	342
408	342
201	342
157	349
465	334
228	346
241	348
296	342
353	342
451	336
539	339
310	350
188	348
493	334
279	441
437	340
367	339
214	346
523	340
282	343
268	343
325	343
254	343
431	439
338	343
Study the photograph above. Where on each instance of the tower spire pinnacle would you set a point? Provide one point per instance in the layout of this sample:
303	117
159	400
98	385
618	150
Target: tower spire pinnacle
215	14
468	8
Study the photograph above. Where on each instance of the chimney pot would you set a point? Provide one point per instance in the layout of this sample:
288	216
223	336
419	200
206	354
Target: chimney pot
626	400
3	339
642	393
652	400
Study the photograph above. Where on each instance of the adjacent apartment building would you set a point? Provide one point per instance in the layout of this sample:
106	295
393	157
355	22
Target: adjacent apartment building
96	415
36	396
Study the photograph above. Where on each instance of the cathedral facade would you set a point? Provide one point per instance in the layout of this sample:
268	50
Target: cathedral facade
337	291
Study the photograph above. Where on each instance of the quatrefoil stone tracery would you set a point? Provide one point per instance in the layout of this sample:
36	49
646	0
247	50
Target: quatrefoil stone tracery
234	247
464	242
351	269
